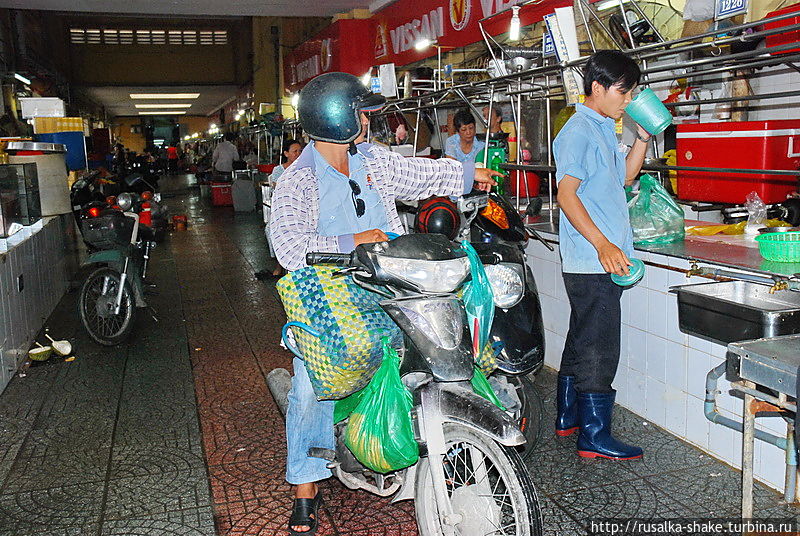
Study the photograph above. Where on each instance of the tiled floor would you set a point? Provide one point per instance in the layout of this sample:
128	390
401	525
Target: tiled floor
176	433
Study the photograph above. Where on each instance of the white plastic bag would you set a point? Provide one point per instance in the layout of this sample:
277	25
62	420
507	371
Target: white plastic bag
756	213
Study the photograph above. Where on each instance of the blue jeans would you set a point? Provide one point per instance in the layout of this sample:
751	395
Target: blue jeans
309	423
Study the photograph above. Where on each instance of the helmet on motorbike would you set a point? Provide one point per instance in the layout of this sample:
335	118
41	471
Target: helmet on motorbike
438	215
330	106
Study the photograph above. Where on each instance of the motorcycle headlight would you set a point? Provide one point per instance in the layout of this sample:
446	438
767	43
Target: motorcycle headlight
507	282
125	201
428	276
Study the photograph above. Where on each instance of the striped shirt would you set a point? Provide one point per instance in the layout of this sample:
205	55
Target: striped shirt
293	228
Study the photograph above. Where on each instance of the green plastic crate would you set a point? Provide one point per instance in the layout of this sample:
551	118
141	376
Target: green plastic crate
780	247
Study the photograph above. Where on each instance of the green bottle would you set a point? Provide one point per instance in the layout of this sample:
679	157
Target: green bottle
497	157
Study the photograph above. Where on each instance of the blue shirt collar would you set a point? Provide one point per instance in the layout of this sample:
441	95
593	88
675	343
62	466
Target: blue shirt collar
593	115
308	158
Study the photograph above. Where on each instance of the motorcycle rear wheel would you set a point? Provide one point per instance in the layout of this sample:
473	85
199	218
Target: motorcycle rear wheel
488	486
96	303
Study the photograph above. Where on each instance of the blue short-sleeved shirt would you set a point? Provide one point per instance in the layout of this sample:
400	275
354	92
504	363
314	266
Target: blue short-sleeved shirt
587	149
452	147
337	214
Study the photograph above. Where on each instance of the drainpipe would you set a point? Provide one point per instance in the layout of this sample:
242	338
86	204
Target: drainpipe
785	443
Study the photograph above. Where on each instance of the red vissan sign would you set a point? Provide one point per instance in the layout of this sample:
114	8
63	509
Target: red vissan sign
451	23
346	45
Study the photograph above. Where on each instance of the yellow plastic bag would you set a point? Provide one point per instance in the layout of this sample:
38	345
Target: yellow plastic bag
732	229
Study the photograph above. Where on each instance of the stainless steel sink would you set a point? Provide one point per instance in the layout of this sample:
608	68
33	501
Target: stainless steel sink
733	311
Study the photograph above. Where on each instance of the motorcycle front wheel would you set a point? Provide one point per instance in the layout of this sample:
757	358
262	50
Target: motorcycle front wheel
489	489
96	307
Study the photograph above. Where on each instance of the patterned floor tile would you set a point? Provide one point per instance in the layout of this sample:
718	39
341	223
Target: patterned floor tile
635	498
188	522
57	469
51	511
157	493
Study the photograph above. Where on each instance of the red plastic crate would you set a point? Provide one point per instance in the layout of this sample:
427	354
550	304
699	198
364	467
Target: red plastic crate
221	194
737	145
786	37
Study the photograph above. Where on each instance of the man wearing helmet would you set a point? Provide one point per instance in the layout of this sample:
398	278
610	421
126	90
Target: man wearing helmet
338	194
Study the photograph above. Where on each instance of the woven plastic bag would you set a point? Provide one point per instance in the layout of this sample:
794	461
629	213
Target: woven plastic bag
379	431
336	329
479	304
655	217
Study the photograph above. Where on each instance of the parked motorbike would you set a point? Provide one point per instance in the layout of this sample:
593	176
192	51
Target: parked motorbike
469	479
497	231
113	292
93	190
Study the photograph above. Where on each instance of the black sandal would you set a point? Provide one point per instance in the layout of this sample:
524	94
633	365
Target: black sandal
302	512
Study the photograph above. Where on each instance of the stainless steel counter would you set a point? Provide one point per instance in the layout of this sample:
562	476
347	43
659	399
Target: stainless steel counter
703	249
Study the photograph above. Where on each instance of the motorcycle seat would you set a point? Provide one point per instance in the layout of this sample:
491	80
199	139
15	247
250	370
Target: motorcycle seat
146	233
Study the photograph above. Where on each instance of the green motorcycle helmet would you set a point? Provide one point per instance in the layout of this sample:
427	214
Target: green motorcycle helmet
330	106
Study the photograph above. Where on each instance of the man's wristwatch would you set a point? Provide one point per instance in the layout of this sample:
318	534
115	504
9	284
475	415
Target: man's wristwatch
647	139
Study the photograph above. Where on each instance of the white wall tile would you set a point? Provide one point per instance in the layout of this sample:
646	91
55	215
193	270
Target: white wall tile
625	306
659	278
771	464
697	366
726	402
655	402
673	332
723	441
561	311
697	425
656	357
675	365
560	292
657	313
675	411
639	310
554	347
637	350
700	344
637	391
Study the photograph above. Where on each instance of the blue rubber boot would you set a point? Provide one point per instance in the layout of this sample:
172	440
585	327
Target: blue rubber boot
566	406
594	439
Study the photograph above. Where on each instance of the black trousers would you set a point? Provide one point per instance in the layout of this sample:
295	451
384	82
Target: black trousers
591	351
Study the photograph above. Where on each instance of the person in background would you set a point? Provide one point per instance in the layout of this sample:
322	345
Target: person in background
497	118
463	146
595	240
225	154
172	159
291	151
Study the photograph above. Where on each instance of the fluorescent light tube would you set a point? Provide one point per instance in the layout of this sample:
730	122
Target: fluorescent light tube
163	105
164	95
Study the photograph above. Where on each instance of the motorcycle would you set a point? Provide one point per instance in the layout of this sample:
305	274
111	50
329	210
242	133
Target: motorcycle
93	190
497	231
112	293
469	478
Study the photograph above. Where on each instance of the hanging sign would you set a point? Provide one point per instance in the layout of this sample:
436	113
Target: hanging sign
346	45
724	9
548	47
447	23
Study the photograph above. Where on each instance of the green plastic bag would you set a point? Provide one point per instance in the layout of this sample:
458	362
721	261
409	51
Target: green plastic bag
655	217
482	387
379	431
478	300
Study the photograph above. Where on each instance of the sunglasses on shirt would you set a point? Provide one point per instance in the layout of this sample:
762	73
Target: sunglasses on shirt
358	203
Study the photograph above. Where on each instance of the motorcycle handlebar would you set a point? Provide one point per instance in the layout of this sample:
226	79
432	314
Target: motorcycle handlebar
320	257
